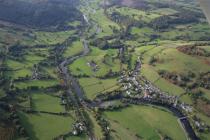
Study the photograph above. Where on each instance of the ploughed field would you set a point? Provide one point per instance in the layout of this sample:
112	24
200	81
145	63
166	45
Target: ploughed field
39	102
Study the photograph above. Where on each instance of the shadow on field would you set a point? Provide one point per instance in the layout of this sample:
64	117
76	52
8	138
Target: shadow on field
28	127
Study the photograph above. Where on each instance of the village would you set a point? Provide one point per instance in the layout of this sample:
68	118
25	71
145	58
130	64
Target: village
137	87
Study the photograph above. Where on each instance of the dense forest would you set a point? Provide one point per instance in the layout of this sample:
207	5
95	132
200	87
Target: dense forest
39	13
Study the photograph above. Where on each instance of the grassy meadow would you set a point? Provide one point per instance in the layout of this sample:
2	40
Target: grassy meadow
94	86
45	102
82	65
74	49
44	126
144	122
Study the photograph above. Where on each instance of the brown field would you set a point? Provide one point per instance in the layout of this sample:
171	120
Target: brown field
203	107
7	133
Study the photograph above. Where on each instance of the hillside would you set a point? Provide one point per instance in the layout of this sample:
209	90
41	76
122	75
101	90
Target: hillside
41	14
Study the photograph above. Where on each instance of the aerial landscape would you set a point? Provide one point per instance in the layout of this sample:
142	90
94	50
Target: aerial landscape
104	70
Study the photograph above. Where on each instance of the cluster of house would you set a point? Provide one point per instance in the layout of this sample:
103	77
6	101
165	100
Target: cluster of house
201	126
134	86
129	80
93	65
130	84
144	89
187	108
78	128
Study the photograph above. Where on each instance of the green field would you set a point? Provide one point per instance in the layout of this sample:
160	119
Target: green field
2	94
12	36
51	38
83	137
44	126
81	66
20	73
38	83
14	64
184	63
51	71
94	86
171	60
164	11
104	23
74	49
144	122
74	23
142	34
142	31
150	73
24	66
94	125
33	58
45	102
192	32
134	13
18	69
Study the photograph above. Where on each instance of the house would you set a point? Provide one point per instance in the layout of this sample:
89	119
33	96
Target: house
75	133
128	92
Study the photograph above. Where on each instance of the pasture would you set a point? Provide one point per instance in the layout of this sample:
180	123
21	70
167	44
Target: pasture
104	23
94	86
45	102
135	13
144	122
74	49
36	83
95	64
45	126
